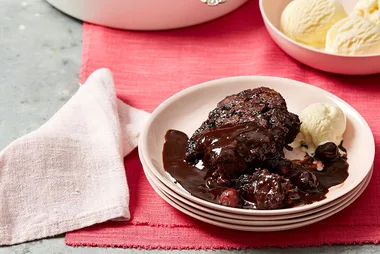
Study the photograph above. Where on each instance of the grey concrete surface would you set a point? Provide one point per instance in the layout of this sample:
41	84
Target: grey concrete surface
40	54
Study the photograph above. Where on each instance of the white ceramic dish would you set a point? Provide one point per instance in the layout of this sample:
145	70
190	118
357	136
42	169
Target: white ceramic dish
227	215
257	219
144	14
250	220
187	109
256	228
329	211
312	216
350	65
220	214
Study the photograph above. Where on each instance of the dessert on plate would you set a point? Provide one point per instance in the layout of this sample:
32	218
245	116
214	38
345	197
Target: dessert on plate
236	157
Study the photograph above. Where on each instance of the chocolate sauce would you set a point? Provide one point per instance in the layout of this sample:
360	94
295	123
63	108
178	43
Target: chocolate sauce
189	176
308	188
253	144
335	170
222	137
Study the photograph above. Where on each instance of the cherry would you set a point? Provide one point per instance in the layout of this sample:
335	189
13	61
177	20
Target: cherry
307	181
327	152
231	198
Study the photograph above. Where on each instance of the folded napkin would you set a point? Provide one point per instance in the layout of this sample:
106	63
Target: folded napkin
69	173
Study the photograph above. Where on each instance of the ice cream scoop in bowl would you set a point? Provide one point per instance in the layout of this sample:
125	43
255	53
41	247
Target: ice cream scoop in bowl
323	35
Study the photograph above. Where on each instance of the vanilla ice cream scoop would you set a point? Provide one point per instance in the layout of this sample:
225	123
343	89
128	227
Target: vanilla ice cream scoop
353	36
307	21
320	123
369	9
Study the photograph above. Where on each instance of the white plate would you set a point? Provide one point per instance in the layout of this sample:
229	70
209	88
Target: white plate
257	228
227	215
250	220
187	109
351	65
144	14
327	212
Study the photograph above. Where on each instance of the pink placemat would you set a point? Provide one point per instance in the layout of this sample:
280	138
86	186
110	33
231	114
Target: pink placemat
149	67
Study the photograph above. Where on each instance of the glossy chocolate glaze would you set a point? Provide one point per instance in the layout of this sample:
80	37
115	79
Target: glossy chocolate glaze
193	176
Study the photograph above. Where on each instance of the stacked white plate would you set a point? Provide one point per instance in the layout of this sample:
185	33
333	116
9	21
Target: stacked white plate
186	110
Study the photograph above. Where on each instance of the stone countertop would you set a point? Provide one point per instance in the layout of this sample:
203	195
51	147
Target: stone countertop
40	57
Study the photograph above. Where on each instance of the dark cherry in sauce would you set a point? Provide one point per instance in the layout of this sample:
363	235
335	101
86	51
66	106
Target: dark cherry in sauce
297	182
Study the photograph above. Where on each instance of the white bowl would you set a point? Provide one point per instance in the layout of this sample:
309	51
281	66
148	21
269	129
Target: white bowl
341	64
186	110
145	14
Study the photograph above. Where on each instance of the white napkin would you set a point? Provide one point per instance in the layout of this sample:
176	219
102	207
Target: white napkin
69	173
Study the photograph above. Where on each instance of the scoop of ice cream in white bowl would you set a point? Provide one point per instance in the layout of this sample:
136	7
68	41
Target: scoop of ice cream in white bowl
300	28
